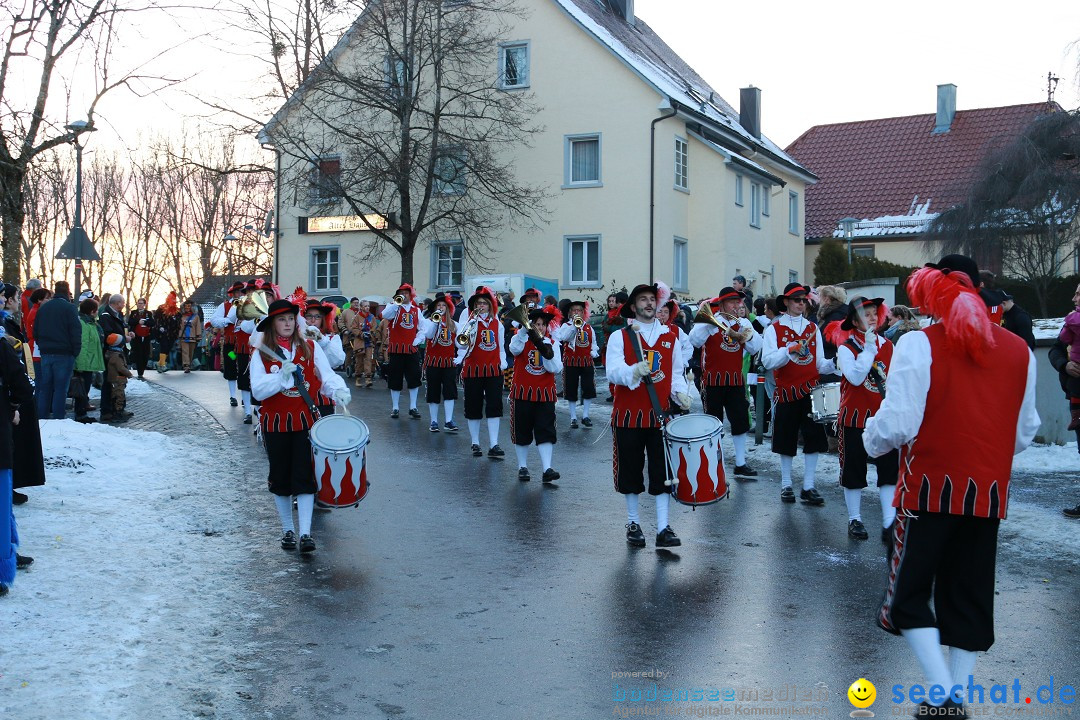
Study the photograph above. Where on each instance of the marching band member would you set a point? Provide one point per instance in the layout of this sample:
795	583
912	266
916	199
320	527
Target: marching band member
404	363
863	358
793	350
578	352
956	441
482	361
666	314
439	365
636	430
286	418
722	380
532	398
319	318
225	320
242	332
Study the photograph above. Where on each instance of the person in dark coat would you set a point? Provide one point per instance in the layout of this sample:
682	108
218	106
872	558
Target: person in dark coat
29	468
1017	320
167	324
1059	358
141	322
58	334
16	394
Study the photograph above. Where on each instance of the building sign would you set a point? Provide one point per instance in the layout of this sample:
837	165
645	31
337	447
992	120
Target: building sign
343	223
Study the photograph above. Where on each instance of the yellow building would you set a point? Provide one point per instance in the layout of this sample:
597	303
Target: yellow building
648	170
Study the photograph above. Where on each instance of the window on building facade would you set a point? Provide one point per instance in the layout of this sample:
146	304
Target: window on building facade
862	250
793	213
765	192
396	76
681	268
738	190
514	66
583	260
326	179
448	265
583	160
325	270
792	276
682	164
450	172
756	190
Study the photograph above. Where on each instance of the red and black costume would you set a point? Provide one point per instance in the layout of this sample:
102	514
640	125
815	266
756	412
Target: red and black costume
403	323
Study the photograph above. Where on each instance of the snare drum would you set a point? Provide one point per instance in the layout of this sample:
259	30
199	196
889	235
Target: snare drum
825	403
696	459
339	458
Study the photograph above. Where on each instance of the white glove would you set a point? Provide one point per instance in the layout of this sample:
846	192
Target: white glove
248	326
458	359
313	333
288	368
342	396
683	400
641	370
871	338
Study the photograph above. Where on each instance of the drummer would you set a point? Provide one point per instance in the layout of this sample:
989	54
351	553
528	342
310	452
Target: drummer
285	416
722	378
792	349
636	428
532	398
863	358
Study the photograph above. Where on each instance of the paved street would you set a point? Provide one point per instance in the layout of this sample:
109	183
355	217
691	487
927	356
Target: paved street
455	591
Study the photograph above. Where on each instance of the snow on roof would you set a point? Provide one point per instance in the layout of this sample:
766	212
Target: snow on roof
914	223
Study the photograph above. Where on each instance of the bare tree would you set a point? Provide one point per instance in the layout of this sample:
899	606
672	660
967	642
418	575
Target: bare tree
405	125
1023	207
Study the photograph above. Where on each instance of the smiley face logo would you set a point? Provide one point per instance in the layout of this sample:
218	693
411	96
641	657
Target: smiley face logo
862	693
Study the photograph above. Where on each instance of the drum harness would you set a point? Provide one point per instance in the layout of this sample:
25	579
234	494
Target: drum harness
298	376
635	344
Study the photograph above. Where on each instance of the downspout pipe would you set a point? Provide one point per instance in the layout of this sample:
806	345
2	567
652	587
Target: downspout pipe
274	268
665	105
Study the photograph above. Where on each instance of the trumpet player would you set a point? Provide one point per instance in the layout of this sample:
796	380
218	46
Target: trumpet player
319	319
439	330
403	322
482	357
792	349
579	350
723	342
224	319
532	399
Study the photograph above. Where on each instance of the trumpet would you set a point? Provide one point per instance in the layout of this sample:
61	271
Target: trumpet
723	321
579	322
465	337
436	317
254	307
398	299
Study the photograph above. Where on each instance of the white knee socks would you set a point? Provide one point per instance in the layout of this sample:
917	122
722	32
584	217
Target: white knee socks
740	448
246	397
853	498
413	392
522	455
573	410
232	388
585	407
808	472
448	409
545	454
305	505
961	665
661	512
433	411
785	470
888	512
284	511
493	431
926	644
632	508
395	398
474	431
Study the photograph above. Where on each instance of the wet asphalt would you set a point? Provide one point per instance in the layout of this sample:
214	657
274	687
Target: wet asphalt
456	591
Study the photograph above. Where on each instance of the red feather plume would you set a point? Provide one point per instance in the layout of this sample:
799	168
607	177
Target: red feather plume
953	300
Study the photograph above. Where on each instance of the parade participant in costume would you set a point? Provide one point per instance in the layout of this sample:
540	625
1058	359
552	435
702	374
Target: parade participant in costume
793	350
319	318
439	367
636	429
343	321
363	333
403	322
190	333
141	322
579	349
960	404
532	398
668	314
242	337
285	416
224	319
167	324
611	324
482	361
863	358
722	381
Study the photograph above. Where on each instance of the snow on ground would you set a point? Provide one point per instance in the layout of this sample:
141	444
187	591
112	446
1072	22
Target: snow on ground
1048	459
126	589
135	388
1047	328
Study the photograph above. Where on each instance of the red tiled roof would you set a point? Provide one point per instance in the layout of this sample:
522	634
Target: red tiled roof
874	168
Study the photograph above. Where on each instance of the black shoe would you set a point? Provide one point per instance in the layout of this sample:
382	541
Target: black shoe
105	418
414	413
288	540
450	426
523	475
477	452
496	452
232	401
18	498
951	709
573	424
307	544
394	414
3	590
787	495
586	422
811	497
610	398
886	534
187	371
667	538
634	536
745	471
85	420
22	561
856	530
247	419
551	475
1072	512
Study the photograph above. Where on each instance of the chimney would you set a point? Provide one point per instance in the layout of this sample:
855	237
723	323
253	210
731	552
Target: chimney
946	108
625	9
750	110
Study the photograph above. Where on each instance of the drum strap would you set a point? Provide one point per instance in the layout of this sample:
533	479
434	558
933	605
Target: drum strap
635	345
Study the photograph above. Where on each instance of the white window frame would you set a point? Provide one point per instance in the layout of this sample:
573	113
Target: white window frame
584	282
756	189
459	185
739	189
313	273
861	251
793	213
792	276
568	165
436	248
680	272
766	191
503	48
682	164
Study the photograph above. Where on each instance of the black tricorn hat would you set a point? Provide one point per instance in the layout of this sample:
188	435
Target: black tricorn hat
856	304
439	297
627	310
278	307
728	293
793	290
958	263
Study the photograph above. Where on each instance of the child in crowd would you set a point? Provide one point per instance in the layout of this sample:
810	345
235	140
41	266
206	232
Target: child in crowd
118	373
1070	335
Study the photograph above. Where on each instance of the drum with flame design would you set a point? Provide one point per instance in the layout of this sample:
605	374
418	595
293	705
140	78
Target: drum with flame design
339	457
697	460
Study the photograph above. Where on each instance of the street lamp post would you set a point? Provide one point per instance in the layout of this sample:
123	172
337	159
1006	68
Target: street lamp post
77	246
848	224
229	240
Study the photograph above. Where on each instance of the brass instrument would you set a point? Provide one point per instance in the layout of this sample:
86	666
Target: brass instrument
520	315
465	337
253	307
579	322
436	317
723	320
398	299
